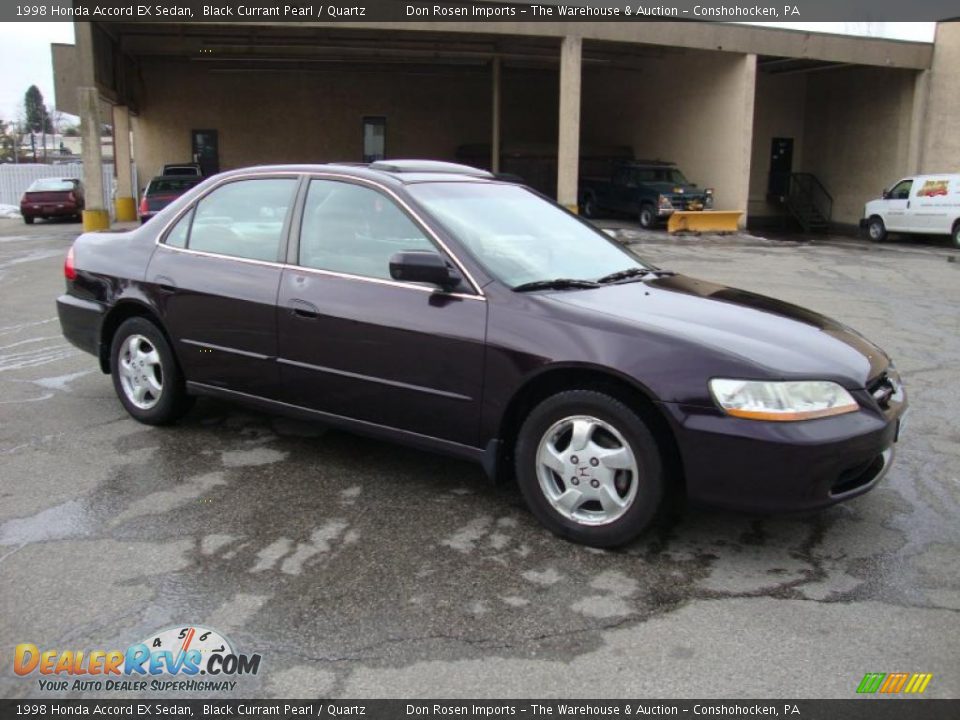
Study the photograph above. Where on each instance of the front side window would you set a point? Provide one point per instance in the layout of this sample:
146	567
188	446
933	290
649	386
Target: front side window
355	230
518	236
244	219
901	191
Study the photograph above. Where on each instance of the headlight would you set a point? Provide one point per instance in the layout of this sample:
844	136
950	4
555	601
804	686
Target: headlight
782	401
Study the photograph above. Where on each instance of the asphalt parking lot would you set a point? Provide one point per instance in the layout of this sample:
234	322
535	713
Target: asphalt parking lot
361	569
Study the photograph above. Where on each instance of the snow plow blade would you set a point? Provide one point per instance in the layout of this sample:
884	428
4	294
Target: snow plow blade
704	221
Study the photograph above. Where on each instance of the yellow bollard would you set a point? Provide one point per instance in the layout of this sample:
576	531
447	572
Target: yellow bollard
704	221
94	220
125	209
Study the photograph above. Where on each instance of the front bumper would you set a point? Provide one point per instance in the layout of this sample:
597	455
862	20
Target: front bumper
686	203
81	322
782	467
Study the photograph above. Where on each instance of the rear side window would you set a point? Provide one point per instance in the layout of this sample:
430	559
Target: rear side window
177	237
355	230
178	185
243	219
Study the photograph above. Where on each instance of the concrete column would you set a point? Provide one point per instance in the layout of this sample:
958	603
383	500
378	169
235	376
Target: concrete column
496	109
747	98
941	126
918	113
125	205
568	146
95	216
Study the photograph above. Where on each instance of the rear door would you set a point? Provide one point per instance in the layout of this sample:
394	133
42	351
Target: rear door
354	342
215	275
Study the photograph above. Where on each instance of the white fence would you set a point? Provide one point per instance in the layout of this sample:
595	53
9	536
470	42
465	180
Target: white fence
15	179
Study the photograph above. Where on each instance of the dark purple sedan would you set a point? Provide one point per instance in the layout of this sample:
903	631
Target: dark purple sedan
434	305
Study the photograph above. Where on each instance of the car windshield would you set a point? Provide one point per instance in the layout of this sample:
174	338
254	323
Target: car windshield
52	185
518	236
661	174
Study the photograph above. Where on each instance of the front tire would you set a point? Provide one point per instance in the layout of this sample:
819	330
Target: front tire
145	374
28	220
589	206
876	230
648	217
955	235
589	468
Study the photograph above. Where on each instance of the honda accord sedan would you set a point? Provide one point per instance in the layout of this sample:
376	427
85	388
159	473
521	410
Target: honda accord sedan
435	305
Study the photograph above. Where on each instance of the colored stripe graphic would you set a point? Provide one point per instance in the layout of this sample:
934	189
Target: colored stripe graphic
871	682
893	683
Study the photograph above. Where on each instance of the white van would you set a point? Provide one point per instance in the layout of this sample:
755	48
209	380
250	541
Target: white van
928	204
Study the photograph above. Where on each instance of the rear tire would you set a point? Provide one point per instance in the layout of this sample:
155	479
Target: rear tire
589	468
955	235
648	217
876	230
28	220
145	374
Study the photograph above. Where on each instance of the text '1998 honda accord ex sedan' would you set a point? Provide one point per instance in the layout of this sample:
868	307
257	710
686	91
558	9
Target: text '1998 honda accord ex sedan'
434	305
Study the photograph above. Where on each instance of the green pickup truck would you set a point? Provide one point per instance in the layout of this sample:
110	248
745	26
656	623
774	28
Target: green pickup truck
649	190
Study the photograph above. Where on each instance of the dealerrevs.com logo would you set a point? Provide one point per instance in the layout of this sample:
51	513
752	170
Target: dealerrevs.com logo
170	660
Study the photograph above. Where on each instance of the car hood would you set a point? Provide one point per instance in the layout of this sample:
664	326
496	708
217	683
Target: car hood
665	188
768	338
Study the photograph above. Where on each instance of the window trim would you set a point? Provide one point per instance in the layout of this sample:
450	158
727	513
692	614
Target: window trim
292	240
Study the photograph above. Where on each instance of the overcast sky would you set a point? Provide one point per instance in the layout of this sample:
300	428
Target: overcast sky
25	52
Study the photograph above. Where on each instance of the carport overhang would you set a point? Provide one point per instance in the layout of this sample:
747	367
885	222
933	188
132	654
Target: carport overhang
105	64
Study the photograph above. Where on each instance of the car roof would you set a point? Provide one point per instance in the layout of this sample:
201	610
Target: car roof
400	172
650	163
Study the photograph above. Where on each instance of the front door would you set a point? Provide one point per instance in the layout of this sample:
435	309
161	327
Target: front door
357	344
215	276
898	216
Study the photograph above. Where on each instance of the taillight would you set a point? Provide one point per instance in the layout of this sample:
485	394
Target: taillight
144	208
71	197
69	269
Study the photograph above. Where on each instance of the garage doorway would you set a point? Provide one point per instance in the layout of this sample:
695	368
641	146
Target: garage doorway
206	150
781	166
374	138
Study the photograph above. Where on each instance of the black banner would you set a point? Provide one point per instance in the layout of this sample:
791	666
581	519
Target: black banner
873	708
553	11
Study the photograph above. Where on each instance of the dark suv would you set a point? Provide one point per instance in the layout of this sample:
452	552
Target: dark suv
651	191
433	305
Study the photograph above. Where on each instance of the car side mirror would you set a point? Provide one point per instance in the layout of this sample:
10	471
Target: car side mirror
424	266
886	194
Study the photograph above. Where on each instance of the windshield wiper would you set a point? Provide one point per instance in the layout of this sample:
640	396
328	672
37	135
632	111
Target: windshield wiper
630	273
555	284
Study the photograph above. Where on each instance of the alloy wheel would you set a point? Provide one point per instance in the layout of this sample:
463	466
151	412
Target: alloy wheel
140	372
587	470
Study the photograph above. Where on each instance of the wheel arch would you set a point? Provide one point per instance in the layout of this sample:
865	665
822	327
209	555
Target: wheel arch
558	378
118	314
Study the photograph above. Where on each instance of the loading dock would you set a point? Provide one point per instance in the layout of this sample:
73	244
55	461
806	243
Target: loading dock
711	97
